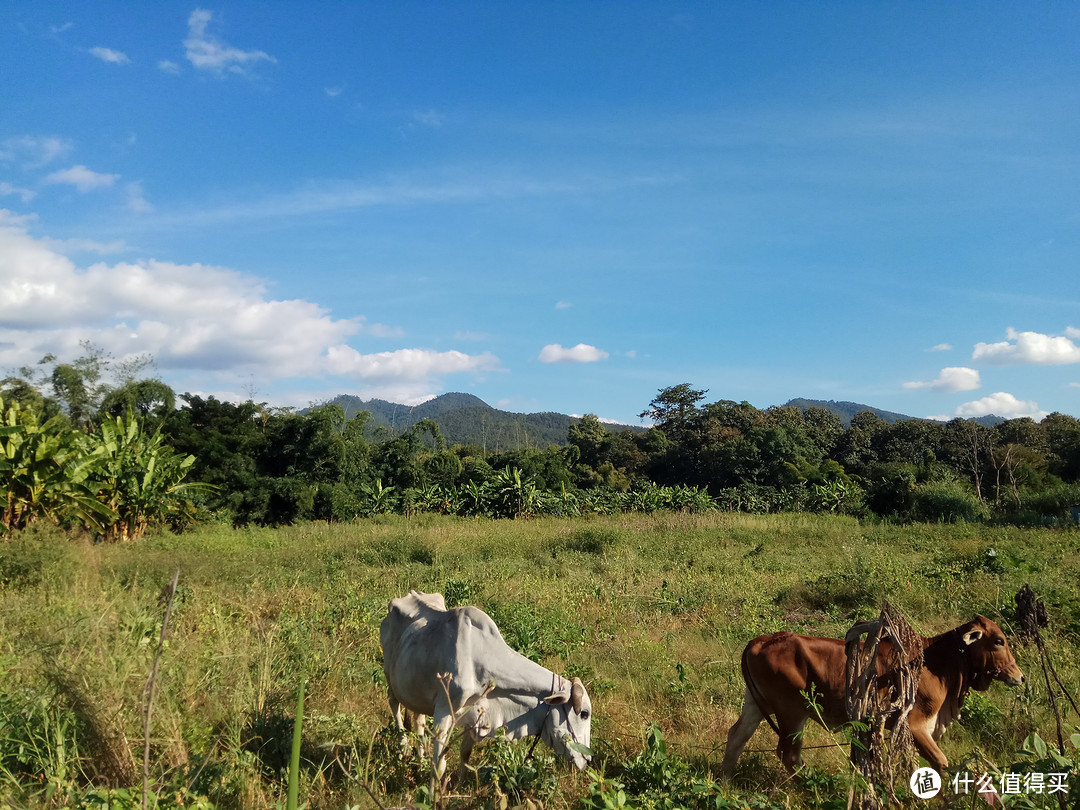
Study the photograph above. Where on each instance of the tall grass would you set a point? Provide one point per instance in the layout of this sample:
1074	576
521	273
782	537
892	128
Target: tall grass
652	611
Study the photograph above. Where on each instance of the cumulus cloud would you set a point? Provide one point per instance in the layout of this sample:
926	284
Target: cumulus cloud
205	52
582	353
950	379
208	320
407	364
168	66
109	55
941	347
33	152
1001	404
82	178
1030	348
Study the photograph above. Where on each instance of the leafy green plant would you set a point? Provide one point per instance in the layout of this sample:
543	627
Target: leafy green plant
140	479
1036	756
47	471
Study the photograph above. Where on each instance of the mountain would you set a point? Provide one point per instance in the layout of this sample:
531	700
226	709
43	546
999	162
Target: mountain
846	410
466	419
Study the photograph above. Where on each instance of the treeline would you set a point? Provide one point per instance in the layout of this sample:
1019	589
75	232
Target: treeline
119	456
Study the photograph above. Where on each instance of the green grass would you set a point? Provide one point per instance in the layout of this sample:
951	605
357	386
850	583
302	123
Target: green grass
652	611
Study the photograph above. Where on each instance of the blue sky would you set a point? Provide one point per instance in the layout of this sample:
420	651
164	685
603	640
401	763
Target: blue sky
554	206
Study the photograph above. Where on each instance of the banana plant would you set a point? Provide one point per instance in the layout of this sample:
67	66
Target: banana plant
378	500
47	472
140	478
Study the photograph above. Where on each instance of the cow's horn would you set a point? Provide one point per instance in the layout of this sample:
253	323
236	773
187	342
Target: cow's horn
577	694
863	627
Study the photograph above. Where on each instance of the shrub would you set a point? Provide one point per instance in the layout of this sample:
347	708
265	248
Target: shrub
946	502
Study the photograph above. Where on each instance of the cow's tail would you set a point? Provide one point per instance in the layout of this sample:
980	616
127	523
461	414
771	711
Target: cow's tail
755	693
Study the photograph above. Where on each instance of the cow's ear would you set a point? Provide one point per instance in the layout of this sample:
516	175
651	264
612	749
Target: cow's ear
971	636
558	698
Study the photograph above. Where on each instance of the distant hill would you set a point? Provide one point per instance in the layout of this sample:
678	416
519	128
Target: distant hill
846	410
466	419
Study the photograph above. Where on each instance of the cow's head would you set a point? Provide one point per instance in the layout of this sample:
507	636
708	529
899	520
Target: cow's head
988	654
570	722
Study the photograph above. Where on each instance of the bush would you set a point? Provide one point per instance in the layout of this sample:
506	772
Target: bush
946	502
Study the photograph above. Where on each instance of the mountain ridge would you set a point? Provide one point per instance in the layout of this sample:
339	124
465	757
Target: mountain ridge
466	419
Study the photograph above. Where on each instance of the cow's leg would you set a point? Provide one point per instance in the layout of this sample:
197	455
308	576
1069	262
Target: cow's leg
789	749
740	733
925	743
443	722
467	743
420	727
401	719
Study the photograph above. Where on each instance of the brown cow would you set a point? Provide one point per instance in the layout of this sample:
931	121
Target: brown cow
779	668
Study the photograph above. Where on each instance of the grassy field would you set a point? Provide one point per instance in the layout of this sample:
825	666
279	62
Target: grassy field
651	611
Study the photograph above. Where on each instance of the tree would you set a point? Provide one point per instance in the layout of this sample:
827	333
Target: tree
152	400
969	444
674	410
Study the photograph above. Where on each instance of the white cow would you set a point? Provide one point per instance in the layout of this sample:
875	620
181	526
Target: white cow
490	686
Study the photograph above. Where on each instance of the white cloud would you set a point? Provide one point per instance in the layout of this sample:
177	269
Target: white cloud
582	353
69	246
1030	347
8	190
563	305
951	379
205	320
136	201
205	52
1001	404
379	330
405	364
941	347
334	92
168	66
32	152
82	178
109	55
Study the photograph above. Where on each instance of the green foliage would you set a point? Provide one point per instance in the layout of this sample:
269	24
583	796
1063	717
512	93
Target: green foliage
659	779
1036	756
31	558
47	471
140	479
512	776
946	502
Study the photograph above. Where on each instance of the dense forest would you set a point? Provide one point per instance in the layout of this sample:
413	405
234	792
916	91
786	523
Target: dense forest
95	444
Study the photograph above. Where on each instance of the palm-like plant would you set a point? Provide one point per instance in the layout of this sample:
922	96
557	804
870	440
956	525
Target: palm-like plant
377	499
46	472
140	478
